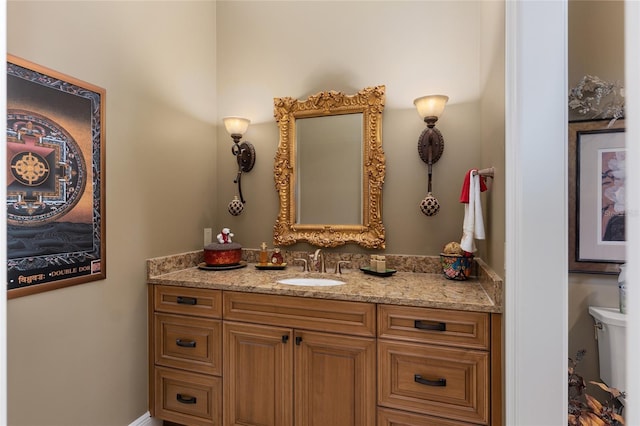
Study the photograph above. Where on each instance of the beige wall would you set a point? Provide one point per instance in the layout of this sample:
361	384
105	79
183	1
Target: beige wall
492	118
78	356
275	49
596	47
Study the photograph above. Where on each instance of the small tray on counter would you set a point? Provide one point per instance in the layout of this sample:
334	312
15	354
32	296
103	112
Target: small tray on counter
207	267
267	266
386	273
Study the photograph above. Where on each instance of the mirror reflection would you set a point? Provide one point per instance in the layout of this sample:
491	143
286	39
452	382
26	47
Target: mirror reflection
329	169
329	159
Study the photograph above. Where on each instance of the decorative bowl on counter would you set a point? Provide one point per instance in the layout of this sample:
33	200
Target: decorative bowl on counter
455	266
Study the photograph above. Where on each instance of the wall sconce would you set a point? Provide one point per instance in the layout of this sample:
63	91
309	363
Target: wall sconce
431	143
245	155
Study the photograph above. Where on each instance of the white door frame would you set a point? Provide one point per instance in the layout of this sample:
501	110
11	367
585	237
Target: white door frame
536	308
536	213
632	94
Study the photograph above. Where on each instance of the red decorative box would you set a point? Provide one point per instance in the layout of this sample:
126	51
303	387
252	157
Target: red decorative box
216	254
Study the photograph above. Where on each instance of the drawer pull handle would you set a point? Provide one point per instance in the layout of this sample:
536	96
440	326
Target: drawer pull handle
285	338
181	343
298	340
440	382
186	400
441	326
182	300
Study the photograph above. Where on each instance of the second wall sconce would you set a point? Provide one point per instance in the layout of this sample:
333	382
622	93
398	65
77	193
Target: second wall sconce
431	143
245	155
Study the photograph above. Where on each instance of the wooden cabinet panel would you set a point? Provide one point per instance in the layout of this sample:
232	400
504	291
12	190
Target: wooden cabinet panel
335	380
437	326
188	343
188	301
440	381
388	417
337	316
187	398
258	369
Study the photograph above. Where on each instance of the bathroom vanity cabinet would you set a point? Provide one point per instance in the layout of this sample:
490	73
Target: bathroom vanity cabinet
226	357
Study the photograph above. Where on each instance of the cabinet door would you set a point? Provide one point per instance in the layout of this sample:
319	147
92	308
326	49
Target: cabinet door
258	368
335	380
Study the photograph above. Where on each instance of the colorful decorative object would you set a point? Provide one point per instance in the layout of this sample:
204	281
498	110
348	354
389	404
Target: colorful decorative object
456	267
224	252
224	237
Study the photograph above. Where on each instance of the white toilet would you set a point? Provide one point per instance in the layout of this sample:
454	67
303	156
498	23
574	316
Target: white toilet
611	328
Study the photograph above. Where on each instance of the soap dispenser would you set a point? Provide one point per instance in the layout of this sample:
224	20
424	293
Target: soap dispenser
264	256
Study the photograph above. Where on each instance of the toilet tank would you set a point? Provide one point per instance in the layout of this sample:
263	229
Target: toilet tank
612	345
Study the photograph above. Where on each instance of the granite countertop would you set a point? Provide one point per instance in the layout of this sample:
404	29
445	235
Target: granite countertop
482	293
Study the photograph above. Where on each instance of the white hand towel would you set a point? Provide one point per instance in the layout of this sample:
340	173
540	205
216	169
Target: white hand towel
473	225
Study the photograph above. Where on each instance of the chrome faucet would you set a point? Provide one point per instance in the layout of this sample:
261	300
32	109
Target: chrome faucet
317	262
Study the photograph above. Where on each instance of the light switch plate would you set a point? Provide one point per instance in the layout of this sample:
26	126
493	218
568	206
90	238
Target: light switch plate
208	236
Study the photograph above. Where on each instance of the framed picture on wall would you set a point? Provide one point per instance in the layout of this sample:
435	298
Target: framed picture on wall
597	241
55	180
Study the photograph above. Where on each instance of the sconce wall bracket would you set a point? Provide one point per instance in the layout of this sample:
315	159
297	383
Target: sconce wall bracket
430	137
245	155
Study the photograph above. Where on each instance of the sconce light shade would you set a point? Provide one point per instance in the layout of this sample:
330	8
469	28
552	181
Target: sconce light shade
236	125
431	106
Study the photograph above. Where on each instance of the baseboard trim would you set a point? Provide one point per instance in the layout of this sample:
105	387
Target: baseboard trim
146	420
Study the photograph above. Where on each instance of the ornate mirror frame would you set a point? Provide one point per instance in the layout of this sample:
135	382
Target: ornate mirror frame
370	233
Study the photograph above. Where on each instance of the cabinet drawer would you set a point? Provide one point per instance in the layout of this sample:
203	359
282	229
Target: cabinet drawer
435	380
187	398
337	316
388	417
188	301
437	326
188	343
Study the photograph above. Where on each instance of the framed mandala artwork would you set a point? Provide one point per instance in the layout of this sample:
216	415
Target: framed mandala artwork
597	240
55	180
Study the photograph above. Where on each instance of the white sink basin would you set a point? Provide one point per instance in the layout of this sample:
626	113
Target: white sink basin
312	282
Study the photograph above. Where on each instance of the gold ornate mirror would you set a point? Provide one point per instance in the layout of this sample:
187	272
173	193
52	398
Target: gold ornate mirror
329	169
